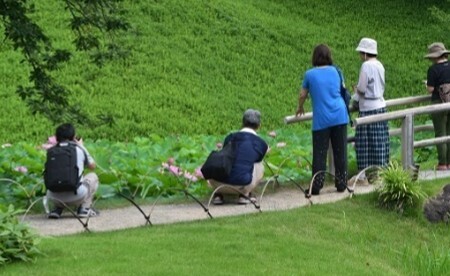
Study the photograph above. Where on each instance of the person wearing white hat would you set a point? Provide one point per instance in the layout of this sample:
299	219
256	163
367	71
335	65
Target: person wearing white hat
438	74
372	140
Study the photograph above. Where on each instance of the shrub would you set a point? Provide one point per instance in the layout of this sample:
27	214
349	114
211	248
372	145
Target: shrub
17	242
398	191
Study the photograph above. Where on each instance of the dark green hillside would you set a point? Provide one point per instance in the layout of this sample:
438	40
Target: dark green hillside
195	65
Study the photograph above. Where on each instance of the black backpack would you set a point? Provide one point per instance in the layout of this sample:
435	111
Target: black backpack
219	163
61	173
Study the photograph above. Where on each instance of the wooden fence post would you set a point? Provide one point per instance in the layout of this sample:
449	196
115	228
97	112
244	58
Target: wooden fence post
408	141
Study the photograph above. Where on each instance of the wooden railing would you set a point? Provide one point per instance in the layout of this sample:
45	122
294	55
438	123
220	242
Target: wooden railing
406	131
394	102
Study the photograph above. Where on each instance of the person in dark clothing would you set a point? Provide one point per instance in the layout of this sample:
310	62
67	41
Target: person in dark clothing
84	196
439	74
247	170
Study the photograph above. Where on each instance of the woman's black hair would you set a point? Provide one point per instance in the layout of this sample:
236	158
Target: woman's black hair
322	56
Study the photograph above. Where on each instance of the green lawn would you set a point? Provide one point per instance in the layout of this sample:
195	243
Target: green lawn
350	237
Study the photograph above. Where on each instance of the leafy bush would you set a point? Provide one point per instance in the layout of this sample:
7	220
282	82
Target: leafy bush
17	242
398	191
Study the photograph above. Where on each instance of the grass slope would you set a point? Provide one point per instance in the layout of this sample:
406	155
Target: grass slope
195	65
351	237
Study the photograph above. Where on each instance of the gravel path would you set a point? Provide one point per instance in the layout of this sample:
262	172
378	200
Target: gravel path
128	217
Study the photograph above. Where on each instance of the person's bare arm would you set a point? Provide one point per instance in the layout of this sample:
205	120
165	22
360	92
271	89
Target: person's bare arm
91	164
303	94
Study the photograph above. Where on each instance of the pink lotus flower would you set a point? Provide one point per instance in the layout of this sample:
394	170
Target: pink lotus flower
273	134
190	177
7	145
171	161
46	146
198	173
175	170
164	166
219	145
281	145
21	169
52	140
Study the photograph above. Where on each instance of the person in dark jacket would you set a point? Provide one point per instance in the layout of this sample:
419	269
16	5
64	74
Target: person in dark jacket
439	74
247	170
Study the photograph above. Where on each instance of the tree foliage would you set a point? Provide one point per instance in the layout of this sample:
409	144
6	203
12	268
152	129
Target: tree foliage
94	23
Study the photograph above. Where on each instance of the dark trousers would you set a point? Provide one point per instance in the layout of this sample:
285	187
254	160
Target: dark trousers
321	138
441	123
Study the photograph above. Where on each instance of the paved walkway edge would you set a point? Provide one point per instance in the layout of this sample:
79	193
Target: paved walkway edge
129	217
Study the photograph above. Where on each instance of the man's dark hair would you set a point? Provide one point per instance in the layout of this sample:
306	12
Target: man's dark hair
322	56
65	132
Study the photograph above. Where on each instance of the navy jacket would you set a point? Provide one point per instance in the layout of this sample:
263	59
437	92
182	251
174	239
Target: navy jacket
250	149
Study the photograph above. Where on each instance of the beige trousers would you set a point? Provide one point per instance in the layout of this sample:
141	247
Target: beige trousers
84	197
258	173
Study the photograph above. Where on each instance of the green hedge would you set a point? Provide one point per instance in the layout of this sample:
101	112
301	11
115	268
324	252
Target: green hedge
195	65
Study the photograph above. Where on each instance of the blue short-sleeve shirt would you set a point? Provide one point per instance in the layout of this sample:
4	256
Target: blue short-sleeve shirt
324	86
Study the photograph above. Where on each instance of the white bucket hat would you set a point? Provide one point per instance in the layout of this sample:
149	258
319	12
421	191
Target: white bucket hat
436	50
367	45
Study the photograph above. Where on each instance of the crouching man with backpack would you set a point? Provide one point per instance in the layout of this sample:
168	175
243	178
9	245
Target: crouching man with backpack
63	176
242	153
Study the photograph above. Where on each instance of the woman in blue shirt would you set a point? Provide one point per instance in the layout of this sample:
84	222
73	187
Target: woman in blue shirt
330	117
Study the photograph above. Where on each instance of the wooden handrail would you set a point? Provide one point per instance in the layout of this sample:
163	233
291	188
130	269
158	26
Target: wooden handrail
432	142
394	102
434	108
407	131
398	131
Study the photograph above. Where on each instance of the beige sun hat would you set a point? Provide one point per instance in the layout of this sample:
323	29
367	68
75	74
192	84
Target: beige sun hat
436	50
367	45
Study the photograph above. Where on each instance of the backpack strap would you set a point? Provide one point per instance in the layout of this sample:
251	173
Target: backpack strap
82	149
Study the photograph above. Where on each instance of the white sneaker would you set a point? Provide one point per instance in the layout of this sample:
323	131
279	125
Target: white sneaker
242	200
87	212
218	199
